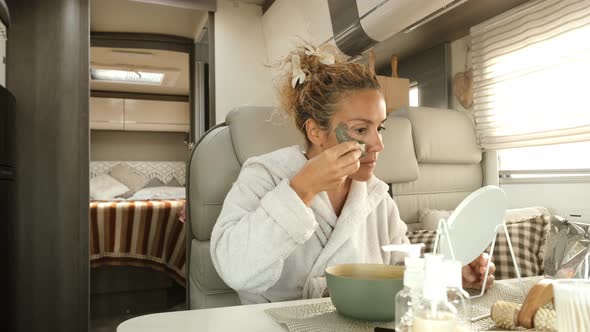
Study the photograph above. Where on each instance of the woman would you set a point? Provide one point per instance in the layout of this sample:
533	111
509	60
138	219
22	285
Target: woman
291	214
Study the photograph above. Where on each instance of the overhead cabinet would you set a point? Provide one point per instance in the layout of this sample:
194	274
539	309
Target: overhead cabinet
150	115
107	114
139	115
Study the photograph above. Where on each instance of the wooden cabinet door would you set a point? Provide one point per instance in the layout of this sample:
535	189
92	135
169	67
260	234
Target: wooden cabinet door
154	115
107	114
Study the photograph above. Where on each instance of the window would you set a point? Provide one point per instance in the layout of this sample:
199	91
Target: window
549	157
545	163
530	67
414	95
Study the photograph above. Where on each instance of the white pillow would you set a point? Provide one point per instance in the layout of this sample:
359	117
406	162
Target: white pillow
159	193
104	187
127	176
429	219
527	213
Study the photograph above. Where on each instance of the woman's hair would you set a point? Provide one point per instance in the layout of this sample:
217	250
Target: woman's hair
323	87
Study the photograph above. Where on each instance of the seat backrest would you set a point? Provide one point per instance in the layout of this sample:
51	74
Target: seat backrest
218	158
449	162
213	167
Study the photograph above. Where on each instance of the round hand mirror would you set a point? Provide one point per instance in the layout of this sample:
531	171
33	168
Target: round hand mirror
472	225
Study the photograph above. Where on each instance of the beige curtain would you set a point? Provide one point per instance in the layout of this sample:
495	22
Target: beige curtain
531	73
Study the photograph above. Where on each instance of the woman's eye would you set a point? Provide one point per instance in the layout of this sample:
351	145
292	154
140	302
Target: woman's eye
381	129
360	131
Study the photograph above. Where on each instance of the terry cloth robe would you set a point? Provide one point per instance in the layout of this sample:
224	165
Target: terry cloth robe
269	246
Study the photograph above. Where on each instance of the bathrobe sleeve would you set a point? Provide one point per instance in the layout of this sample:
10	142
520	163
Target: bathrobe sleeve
397	231
259	226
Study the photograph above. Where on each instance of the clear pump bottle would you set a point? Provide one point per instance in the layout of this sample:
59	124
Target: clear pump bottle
434	312
456	295
410	294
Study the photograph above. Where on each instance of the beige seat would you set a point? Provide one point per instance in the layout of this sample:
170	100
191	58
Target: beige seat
251	131
449	162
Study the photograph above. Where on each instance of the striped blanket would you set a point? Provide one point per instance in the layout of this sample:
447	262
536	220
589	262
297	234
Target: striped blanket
139	233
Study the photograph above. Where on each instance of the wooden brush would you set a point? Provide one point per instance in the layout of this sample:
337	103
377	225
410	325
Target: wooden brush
538	296
505	315
546	320
531	314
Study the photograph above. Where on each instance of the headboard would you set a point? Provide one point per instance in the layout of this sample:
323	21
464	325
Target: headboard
165	171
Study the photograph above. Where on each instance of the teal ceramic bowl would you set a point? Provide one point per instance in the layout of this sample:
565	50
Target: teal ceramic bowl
365	291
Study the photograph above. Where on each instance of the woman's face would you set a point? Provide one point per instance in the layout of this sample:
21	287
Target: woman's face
363	112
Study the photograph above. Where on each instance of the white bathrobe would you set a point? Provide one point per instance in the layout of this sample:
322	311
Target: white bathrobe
269	246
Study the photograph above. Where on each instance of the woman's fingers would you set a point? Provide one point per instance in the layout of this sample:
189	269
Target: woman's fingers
468	275
351	169
327	170
491	279
480	263
489	282
481	260
349	158
482	269
484	258
474	272
343	148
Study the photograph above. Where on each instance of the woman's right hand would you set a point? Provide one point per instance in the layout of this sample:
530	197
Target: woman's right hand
327	171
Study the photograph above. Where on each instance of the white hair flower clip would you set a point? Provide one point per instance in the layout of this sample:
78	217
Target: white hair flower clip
325	57
298	73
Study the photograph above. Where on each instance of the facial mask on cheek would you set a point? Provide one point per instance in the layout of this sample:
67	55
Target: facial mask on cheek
342	136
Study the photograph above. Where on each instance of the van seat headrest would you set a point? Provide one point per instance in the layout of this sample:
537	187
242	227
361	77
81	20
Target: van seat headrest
397	162
443	136
259	130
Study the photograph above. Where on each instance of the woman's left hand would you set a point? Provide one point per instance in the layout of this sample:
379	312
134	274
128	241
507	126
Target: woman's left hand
474	273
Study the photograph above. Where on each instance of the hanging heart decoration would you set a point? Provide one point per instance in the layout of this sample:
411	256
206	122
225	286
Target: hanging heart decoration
463	87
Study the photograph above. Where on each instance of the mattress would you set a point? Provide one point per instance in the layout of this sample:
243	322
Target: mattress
139	233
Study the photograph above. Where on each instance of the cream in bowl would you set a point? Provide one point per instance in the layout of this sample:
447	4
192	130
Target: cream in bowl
365	291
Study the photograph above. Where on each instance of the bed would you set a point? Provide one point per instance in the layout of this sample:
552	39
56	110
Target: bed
136	216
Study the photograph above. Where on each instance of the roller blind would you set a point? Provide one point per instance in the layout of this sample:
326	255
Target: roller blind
531	72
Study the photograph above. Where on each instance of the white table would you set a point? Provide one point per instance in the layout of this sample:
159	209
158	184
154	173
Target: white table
238	318
227	319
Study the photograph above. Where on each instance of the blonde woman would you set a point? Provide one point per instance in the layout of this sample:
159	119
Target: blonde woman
291	214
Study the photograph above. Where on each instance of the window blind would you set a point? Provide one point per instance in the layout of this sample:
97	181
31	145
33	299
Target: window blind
531	70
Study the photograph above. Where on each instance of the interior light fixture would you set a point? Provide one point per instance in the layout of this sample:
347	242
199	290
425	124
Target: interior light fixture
127	76
133	74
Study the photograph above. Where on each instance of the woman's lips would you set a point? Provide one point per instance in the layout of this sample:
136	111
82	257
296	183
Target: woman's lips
369	163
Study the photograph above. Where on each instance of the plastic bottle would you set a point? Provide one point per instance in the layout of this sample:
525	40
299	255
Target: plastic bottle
410	294
456	295
434	312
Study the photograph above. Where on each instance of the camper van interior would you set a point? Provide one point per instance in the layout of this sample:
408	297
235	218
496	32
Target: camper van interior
295	165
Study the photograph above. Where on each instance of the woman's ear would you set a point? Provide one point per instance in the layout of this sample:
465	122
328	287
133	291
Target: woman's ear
314	132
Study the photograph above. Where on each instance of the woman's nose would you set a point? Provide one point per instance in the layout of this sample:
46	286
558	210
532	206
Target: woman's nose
374	143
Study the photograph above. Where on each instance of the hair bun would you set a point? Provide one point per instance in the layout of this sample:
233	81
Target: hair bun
315	79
